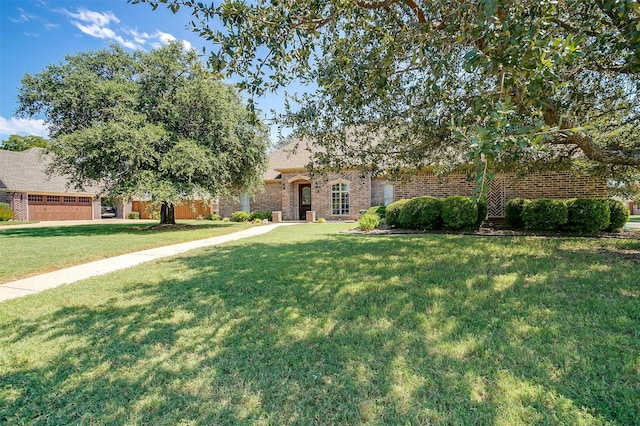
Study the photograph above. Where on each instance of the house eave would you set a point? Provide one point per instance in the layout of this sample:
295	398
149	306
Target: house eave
28	191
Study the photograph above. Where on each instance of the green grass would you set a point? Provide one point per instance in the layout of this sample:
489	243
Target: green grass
634	218
307	326
16	222
29	251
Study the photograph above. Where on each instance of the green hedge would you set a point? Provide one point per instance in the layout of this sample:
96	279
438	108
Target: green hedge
618	214
544	214
5	212
240	216
214	216
261	215
392	212
587	215
133	215
379	210
513	212
421	213
459	213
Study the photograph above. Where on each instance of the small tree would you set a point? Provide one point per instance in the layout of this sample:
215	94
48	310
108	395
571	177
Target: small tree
22	143
150	124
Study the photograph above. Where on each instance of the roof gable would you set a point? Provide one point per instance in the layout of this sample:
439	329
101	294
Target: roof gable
25	171
295	155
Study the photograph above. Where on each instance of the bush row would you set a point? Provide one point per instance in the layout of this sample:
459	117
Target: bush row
426	213
576	214
5	212
241	216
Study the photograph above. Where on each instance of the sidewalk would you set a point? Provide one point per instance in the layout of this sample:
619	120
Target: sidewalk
38	283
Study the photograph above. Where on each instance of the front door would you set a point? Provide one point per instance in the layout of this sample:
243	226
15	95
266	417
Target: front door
304	199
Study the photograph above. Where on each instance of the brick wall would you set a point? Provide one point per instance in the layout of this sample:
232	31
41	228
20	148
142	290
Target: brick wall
360	189
269	200
20	205
560	185
365	192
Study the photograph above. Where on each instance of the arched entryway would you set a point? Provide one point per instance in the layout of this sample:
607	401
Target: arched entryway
298	196
304	200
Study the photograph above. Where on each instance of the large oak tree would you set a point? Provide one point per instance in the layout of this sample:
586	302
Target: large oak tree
510	82
148	124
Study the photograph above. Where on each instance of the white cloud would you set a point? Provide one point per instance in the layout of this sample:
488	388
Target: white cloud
100	19
22	126
105	33
103	25
24	16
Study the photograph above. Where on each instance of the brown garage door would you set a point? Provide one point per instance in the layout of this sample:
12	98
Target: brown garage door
59	207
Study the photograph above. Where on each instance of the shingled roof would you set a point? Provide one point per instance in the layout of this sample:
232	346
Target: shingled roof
26	172
293	156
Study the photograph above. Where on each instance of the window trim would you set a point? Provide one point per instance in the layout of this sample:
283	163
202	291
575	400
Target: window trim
340	193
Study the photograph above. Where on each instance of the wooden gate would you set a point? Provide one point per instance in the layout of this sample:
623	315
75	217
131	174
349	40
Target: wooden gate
496	199
184	211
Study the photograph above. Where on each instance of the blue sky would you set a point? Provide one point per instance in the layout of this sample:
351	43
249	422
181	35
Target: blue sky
35	33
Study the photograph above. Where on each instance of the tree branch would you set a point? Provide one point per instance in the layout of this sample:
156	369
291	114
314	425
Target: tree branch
598	153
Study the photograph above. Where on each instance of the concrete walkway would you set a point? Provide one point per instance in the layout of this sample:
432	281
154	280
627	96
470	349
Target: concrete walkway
38	283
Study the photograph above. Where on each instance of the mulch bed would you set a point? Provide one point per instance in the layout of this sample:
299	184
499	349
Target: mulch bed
501	232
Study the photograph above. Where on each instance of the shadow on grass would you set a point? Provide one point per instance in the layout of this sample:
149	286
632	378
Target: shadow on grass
102	229
341	330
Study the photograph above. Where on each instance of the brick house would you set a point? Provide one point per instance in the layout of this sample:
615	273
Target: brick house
340	196
34	195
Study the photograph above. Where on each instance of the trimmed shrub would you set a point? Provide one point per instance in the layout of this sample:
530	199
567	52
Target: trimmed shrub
368	222
321	220
239	216
214	216
421	213
618	214
483	211
379	210
392	212
459	213
5	212
513	212
133	215
544	214
258	215
587	215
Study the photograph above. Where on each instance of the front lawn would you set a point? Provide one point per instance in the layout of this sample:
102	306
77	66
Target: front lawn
28	251
308	326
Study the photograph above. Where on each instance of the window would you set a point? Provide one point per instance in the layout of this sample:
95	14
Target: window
37	198
387	194
84	200
53	198
340	199
68	199
244	202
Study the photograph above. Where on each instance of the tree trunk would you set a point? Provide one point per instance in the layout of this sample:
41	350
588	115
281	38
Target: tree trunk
167	216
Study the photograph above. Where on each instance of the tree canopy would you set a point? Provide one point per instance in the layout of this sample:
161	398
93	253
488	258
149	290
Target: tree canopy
508	82
147	124
22	143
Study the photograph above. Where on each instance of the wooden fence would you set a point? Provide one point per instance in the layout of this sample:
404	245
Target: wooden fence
183	211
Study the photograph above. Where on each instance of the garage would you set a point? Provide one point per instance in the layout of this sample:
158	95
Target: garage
59	207
36	195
